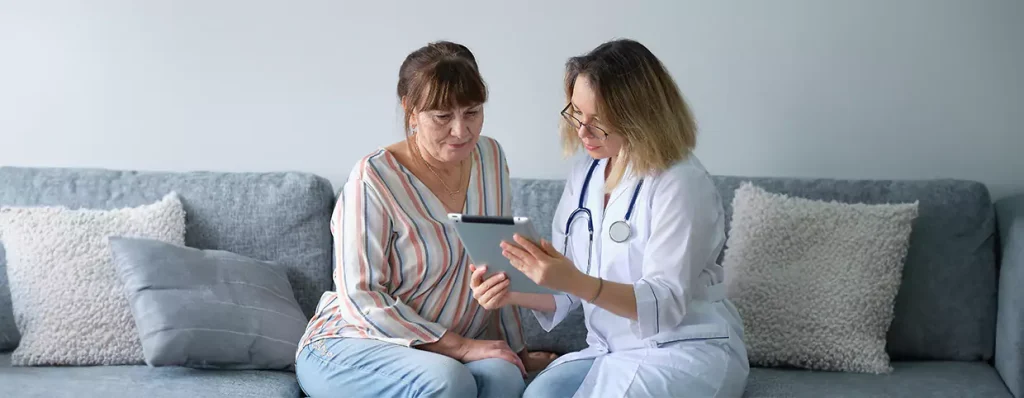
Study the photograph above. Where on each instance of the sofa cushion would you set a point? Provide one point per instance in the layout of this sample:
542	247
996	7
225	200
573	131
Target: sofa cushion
9	335
946	305
815	281
279	217
142	381
68	301
909	379
208	308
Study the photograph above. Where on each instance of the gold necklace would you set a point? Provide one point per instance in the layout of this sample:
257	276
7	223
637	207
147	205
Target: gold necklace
451	193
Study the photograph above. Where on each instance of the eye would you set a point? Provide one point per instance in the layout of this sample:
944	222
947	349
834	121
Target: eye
443	116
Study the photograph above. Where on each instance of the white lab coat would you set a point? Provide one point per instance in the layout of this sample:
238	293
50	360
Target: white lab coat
688	339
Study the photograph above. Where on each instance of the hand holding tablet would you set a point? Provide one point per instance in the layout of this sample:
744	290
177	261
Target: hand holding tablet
483	236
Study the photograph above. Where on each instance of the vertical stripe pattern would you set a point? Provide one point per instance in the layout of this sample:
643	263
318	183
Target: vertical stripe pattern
402	274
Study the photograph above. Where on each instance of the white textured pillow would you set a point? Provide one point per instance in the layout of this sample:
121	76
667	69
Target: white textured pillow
69	305
815	282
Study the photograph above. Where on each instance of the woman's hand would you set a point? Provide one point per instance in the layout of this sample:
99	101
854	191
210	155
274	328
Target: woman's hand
542	264
537	360
475	350
466	350
491	293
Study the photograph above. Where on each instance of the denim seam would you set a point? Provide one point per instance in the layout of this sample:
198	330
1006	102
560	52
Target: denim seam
313	352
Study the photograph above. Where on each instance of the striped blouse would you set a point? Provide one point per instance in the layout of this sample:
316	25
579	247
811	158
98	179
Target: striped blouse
402	274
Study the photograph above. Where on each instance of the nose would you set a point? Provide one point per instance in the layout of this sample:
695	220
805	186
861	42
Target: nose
460	127
584	132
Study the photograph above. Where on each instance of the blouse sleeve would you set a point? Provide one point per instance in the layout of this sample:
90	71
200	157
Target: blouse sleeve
362	231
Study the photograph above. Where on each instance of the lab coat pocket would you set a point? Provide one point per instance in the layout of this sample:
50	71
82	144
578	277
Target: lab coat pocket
691	333
694	353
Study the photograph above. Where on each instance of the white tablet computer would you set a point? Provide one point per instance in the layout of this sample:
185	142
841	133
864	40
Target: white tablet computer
482	236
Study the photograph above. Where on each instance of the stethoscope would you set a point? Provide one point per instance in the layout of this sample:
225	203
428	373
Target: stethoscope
620	231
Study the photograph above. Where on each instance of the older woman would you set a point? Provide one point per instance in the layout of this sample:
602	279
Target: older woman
403	321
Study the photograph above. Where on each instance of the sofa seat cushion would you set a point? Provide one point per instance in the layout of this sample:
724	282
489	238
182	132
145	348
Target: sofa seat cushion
142	381
909	379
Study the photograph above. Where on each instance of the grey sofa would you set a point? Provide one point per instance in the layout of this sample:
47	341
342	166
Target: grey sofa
957	333
958	324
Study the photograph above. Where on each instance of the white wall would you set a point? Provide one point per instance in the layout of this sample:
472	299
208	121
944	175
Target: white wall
849	89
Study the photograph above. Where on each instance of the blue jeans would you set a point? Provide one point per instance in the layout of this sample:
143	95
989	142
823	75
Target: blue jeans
560	381
344	367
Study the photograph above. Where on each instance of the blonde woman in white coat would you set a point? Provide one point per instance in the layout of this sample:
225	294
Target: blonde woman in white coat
637	234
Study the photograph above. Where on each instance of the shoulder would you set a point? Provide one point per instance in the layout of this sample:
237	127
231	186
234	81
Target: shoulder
687	181
371	170
490	149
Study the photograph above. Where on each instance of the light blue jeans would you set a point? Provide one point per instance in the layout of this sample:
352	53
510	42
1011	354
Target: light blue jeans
561	381
343	367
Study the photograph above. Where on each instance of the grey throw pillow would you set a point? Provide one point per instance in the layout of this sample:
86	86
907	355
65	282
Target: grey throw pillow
208	308
815	282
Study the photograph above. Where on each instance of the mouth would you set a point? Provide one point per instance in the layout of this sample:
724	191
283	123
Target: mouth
459	146
591	147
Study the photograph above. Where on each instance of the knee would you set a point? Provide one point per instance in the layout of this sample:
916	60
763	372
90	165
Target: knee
447	378
498	378
541	390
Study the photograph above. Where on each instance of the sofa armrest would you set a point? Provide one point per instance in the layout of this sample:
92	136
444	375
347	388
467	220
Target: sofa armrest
1009	355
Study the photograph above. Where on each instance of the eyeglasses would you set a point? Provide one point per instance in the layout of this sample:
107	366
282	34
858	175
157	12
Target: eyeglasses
598	132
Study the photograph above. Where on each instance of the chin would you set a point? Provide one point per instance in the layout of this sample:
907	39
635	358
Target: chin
455	154
600	153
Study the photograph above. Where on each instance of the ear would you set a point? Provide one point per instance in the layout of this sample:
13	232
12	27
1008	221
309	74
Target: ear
413	121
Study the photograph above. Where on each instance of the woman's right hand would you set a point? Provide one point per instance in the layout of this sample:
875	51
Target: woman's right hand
475	350
468	350
491	293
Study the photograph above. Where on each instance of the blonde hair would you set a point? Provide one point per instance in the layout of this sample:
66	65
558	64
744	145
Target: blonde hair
637	99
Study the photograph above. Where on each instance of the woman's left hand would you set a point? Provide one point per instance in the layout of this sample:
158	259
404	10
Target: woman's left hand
542	264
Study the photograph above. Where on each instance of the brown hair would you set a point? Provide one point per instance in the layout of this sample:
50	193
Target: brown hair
638	99
440	75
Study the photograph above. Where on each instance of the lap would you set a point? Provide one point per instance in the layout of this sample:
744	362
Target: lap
559	381
701	368
364	367
370	368
698	369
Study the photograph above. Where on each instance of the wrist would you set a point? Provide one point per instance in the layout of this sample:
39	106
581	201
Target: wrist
450	344
584	286
516	299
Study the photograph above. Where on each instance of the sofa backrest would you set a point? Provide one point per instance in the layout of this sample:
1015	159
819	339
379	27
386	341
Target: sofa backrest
946	306
279	217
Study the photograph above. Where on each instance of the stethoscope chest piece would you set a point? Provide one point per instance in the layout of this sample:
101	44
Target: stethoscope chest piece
619	231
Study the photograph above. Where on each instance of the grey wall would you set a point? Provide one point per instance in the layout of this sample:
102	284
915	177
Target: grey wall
849	89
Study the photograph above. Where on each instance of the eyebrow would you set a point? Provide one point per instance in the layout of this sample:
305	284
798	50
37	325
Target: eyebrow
573	104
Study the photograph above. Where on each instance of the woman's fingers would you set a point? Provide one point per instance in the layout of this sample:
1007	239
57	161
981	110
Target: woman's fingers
529	246
510	251
489	284
549	248
507	354
478	275
493	298
519	266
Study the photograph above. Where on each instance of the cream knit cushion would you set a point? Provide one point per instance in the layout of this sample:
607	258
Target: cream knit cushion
69	305
815	282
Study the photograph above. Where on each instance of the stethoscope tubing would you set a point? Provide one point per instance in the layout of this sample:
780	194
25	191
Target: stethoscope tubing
581	209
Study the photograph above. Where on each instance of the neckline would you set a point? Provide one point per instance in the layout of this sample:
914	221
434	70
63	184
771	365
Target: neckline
436	202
